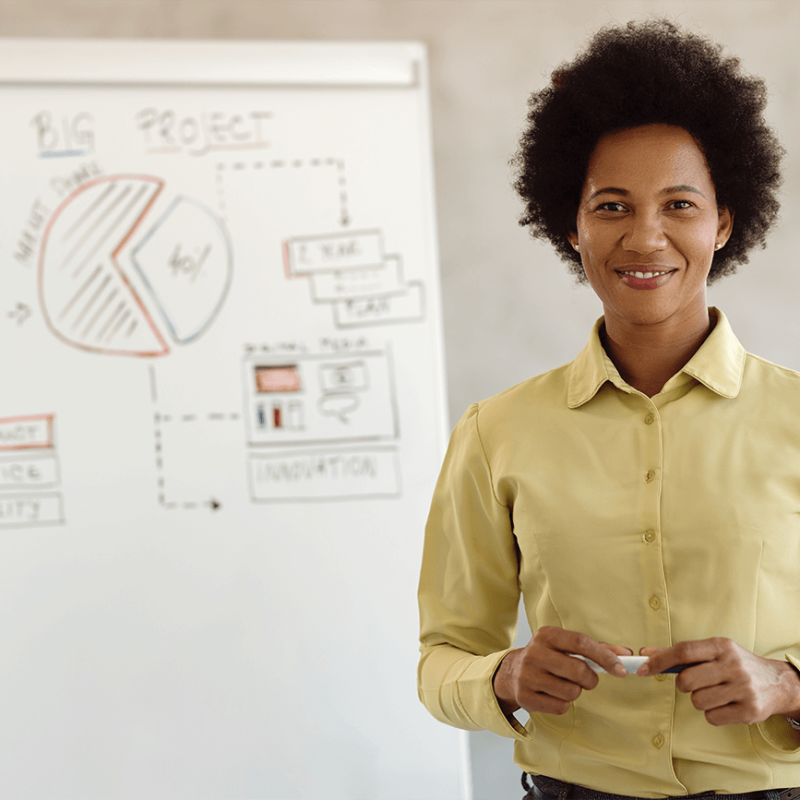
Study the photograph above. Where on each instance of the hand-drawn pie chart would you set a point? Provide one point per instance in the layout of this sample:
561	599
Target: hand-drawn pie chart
182	258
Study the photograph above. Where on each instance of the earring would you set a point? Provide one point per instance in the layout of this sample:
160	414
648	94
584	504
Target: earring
577	246
719	244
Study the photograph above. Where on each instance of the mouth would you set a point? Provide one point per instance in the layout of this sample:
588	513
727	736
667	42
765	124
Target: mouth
645	275
645	279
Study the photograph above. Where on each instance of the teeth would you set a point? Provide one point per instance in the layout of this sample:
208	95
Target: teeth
644	274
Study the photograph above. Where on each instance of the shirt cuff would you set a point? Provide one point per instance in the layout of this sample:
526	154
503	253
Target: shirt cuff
479	701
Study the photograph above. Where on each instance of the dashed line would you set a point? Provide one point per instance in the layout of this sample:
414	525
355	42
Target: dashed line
223	209
161	483
297	163
213	417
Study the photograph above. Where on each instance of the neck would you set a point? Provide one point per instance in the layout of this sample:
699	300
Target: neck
648	355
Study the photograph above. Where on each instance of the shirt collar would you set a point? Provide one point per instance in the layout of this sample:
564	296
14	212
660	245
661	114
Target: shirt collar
718	365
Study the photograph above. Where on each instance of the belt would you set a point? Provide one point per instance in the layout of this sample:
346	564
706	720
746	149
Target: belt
544	787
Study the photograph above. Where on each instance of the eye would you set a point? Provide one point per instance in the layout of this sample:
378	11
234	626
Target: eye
680	205
611	205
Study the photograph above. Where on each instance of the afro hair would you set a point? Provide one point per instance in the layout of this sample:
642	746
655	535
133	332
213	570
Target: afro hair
639	74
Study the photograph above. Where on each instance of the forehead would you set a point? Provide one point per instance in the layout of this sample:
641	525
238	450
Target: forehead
648	157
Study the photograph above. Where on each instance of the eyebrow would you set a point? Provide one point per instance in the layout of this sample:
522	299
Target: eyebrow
669	190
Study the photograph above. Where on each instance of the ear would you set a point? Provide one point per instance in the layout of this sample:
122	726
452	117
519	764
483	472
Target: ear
725	225
572	238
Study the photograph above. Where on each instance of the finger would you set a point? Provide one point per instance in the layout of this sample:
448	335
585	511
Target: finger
649	651
549	693
567	668
573	642
713	697
560	689
703	676
725	715
618	649
682	653
539	659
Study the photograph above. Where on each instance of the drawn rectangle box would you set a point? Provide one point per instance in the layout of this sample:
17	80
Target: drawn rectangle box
408	306
320	399
29	471
31	510
354	249
26	433
328	287
344	375
303	476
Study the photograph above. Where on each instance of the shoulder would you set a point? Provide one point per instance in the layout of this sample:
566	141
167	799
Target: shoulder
520	406
761	374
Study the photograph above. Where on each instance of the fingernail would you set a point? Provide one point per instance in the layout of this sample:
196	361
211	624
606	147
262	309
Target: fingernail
619	669
644	670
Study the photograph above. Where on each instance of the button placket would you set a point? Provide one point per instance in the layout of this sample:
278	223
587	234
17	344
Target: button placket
650	468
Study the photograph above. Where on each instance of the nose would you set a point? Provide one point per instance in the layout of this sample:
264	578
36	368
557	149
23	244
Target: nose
644	234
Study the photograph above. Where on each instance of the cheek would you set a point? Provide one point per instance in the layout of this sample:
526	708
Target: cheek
700	245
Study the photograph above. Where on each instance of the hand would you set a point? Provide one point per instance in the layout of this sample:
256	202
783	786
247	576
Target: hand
542	676
729	684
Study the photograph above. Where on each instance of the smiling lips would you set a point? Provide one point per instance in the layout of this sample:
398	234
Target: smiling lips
641	279
637	274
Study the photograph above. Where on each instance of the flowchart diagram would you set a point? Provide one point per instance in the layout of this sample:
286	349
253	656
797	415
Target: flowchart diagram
128	266
137	264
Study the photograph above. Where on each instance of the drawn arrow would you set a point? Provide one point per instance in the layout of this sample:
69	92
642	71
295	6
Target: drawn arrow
21	313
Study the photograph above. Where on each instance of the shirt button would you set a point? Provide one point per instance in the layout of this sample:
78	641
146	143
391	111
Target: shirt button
649	419
658	740
661	677
649	536
655	603
649	475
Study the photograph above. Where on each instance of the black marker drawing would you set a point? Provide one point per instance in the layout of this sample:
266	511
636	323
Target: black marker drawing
20	313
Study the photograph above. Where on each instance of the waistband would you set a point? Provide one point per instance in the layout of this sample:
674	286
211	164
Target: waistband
539	785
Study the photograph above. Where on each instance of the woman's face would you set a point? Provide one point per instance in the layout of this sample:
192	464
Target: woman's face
648	224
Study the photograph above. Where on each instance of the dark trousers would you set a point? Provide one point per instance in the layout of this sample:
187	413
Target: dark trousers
541	788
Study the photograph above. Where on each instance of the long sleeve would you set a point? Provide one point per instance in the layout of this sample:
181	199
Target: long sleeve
469	590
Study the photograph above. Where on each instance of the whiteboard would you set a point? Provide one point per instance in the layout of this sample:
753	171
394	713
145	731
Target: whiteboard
222	413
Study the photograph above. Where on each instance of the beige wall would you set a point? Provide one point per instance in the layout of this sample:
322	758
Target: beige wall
510	310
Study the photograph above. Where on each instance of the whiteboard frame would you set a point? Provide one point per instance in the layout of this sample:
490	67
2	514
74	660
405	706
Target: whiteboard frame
215	64
70	62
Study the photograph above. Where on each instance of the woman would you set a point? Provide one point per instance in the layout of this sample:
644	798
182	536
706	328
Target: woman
643	498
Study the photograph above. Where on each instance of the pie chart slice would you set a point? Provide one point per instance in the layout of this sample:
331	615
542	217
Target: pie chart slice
184	260
86	297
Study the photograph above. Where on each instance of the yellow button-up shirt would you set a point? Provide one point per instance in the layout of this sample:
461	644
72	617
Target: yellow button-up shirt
638	521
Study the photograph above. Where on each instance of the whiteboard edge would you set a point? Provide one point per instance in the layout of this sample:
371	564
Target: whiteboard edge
217	62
